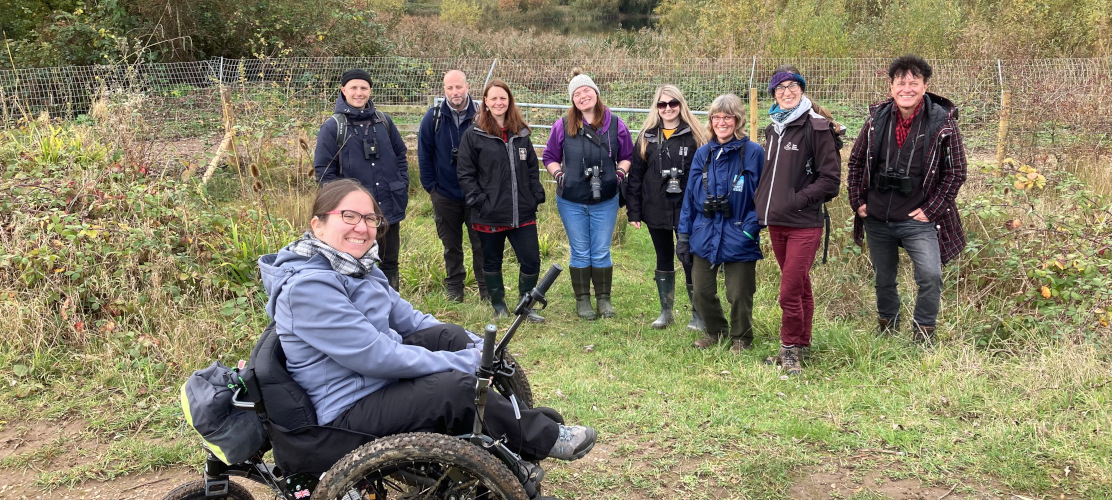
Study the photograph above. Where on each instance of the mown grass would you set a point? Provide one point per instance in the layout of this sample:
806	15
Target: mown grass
1016	393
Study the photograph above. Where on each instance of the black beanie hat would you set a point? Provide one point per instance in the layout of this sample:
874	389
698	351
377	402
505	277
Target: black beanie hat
355	74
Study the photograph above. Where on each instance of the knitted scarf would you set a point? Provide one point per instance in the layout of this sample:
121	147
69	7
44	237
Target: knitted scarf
309	246
782	117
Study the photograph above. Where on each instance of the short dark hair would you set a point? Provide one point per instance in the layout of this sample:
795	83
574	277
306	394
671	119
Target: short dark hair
909	64
330	194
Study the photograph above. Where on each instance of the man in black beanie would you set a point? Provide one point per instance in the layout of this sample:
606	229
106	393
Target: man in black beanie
360	142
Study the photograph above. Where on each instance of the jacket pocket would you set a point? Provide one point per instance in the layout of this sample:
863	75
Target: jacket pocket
399	194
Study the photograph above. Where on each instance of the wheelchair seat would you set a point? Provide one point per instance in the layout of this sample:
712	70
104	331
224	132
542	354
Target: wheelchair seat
300	443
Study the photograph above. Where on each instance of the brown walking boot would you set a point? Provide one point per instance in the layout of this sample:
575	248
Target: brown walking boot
705	342
886	326
923	334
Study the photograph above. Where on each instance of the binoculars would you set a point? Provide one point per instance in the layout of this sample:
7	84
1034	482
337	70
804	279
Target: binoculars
894	182
594	176
717	204
370	149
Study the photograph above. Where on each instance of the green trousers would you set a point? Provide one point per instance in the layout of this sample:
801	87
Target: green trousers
741	284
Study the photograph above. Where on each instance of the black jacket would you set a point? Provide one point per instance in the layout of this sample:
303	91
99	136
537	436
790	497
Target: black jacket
647	199
499	179
787	194
386	177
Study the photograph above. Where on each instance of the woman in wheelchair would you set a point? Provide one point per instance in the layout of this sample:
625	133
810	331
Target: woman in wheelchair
368	360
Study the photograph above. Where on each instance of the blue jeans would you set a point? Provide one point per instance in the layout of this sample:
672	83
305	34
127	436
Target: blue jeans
920	240
590	229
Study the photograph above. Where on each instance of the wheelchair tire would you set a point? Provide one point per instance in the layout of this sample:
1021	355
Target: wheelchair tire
195	490
520	384
419	465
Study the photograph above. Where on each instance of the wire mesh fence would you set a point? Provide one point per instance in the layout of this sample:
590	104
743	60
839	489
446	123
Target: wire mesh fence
1050	99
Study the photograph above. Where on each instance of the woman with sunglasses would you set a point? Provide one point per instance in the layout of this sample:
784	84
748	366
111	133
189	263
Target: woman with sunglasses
497	169
718	225
588	154
661	162
371	363
804	170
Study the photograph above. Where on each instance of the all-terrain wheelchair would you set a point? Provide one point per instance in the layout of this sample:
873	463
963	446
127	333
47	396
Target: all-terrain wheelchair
315	461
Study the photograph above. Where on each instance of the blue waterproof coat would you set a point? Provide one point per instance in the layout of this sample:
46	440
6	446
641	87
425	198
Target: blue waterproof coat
343	335
386	177
732	170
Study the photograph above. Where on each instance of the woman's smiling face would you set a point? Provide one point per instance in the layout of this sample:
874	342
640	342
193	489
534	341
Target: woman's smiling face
356	239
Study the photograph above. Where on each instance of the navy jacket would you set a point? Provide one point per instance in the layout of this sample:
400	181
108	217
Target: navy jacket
434	149
386	177
733	170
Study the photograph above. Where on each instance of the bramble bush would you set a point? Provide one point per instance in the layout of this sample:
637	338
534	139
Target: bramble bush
1040	246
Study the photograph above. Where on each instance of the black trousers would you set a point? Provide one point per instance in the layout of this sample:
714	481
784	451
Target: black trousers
666	251
524	242
452	218
444	403
388	248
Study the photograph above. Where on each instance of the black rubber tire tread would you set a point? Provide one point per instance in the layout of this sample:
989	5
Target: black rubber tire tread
419	447
520	384
195	490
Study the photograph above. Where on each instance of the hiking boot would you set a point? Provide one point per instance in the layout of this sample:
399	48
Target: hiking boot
497	294
789	361
887	326
391	278
923	334
696	322
454	292
739	345
573	443
581	286
705	342
666	289
603	278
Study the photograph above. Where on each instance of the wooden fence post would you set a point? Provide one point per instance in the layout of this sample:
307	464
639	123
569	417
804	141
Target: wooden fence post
753	114
1002	135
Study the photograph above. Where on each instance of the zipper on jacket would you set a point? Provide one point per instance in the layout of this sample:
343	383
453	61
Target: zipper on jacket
772	183
513	178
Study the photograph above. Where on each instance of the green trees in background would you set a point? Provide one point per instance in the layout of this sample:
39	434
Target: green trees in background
75	32
858	28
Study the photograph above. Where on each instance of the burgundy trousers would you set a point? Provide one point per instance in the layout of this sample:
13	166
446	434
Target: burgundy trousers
795	249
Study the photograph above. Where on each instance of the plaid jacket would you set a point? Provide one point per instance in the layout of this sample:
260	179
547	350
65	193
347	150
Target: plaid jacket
945	172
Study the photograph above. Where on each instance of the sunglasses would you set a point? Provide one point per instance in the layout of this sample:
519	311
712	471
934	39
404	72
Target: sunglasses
674	104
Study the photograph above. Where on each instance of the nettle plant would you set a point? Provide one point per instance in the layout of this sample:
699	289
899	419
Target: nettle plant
1041	243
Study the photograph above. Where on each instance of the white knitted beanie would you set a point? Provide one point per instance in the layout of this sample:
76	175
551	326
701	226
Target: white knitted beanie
581	80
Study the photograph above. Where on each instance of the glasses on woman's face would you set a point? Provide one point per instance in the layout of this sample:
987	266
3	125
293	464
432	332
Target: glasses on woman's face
674	104
352	217
787	87
722	119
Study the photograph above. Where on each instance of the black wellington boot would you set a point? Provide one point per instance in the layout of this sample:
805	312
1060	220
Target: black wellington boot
497	294
603	278
525	283
666	289
581	286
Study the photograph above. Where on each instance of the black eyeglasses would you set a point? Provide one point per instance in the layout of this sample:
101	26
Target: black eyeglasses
674	104
352	217
791	87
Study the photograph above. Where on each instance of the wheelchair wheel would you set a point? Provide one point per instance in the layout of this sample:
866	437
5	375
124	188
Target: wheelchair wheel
419	465
195	490
520	384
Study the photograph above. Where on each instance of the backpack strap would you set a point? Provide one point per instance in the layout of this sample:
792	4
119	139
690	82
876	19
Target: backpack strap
808	143
341	138
436	120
